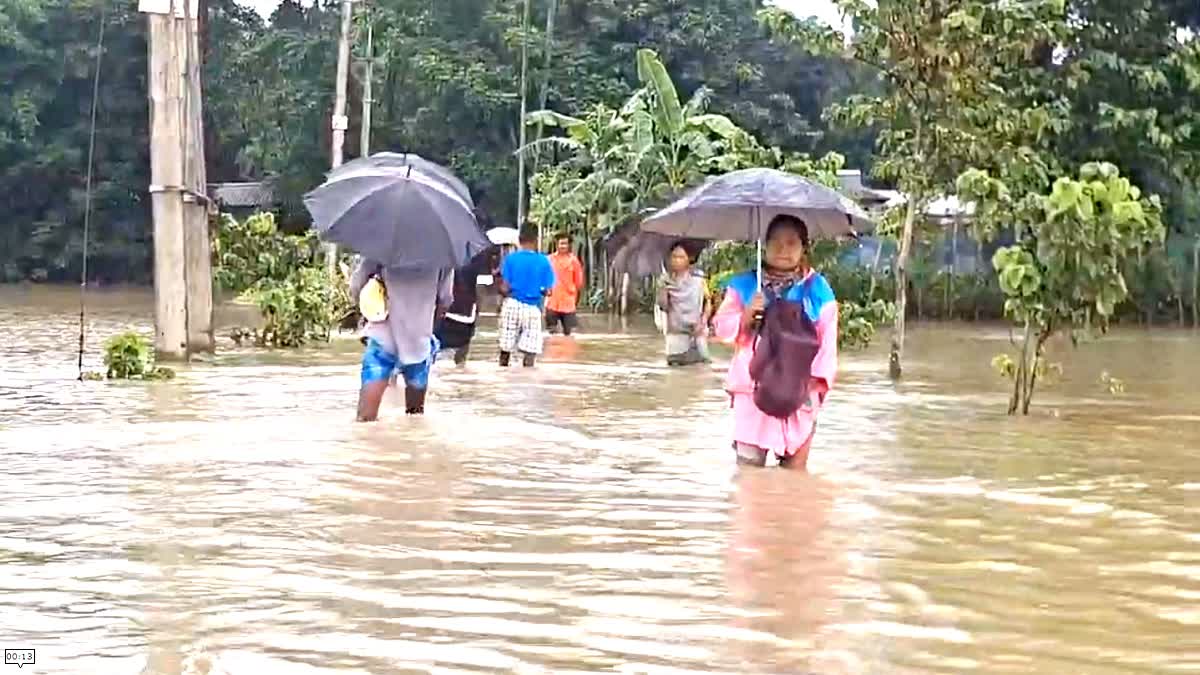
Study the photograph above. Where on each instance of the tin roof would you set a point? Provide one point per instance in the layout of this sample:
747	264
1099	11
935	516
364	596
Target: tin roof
258	193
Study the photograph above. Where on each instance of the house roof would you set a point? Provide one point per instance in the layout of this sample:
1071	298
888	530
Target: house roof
851	184
258	193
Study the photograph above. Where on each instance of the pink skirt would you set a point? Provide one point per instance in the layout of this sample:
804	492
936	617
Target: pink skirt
780	436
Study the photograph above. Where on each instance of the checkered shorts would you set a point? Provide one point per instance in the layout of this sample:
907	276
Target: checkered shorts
520	327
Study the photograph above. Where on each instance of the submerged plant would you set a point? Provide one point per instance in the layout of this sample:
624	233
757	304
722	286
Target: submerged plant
130	356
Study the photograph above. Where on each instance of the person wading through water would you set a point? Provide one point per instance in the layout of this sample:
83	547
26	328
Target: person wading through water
785	339
684	299
400	308
457	328
563	302
526	278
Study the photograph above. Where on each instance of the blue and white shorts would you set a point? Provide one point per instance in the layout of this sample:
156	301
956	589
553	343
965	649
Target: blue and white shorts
379	364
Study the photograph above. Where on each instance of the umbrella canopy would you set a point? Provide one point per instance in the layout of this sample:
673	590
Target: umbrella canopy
503	236
645	254
400	160
739	205
398	216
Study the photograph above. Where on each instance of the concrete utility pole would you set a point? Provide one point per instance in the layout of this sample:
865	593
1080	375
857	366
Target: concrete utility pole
182	274
521	126
364	139
196	241
340	122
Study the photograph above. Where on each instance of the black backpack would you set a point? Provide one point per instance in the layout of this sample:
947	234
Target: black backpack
784	350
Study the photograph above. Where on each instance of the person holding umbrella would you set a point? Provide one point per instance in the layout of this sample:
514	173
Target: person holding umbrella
412	222
399	333
780	316
784	328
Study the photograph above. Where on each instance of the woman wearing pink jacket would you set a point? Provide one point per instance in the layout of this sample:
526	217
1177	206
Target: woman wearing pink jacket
808	370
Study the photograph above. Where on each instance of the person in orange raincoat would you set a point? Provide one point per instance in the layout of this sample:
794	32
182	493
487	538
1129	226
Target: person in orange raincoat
564	299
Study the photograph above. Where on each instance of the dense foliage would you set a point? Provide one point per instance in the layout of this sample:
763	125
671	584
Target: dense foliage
446	82
47	56
284	275
1025	91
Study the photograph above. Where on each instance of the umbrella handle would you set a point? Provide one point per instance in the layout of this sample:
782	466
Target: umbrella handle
758	246
758	265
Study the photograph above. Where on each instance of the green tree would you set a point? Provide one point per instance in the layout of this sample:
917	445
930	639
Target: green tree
47	62
1064	271
945	108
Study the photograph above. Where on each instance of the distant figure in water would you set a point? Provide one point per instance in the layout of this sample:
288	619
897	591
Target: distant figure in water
526	279
456	329
684	299
563	302
785	340
400	307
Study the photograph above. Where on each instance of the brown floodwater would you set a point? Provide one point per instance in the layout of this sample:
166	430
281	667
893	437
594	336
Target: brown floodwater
587	516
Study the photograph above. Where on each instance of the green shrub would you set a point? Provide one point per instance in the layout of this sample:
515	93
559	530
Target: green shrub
130	356
284	275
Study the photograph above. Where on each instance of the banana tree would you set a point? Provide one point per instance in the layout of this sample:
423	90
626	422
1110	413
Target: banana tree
610	164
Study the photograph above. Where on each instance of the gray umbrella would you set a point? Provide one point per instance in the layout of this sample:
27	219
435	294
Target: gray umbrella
739	205
400	160
645	254
398	216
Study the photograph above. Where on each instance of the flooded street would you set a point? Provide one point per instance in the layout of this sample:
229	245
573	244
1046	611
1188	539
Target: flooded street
587	516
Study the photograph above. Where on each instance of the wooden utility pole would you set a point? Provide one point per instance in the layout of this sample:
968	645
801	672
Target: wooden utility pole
340	122
364	139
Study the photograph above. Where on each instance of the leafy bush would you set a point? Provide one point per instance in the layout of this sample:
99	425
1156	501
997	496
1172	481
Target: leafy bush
301	308
130	356
284	275
858	323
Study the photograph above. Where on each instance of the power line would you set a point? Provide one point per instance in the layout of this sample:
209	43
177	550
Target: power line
87	200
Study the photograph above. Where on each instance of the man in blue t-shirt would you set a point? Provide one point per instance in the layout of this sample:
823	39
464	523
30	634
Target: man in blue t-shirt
526	279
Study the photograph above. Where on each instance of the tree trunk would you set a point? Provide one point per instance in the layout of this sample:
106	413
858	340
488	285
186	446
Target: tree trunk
1196	285
602	276
1038	352
895	360
953	271
1179	304
591	268
1022	375
980	270
624	293
875	269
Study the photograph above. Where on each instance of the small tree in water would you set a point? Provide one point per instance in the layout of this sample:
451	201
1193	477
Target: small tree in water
1064	271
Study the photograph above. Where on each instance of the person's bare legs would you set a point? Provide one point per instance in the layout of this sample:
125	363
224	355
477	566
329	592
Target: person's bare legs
370	397
460	355
414	401
799	459
750	455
